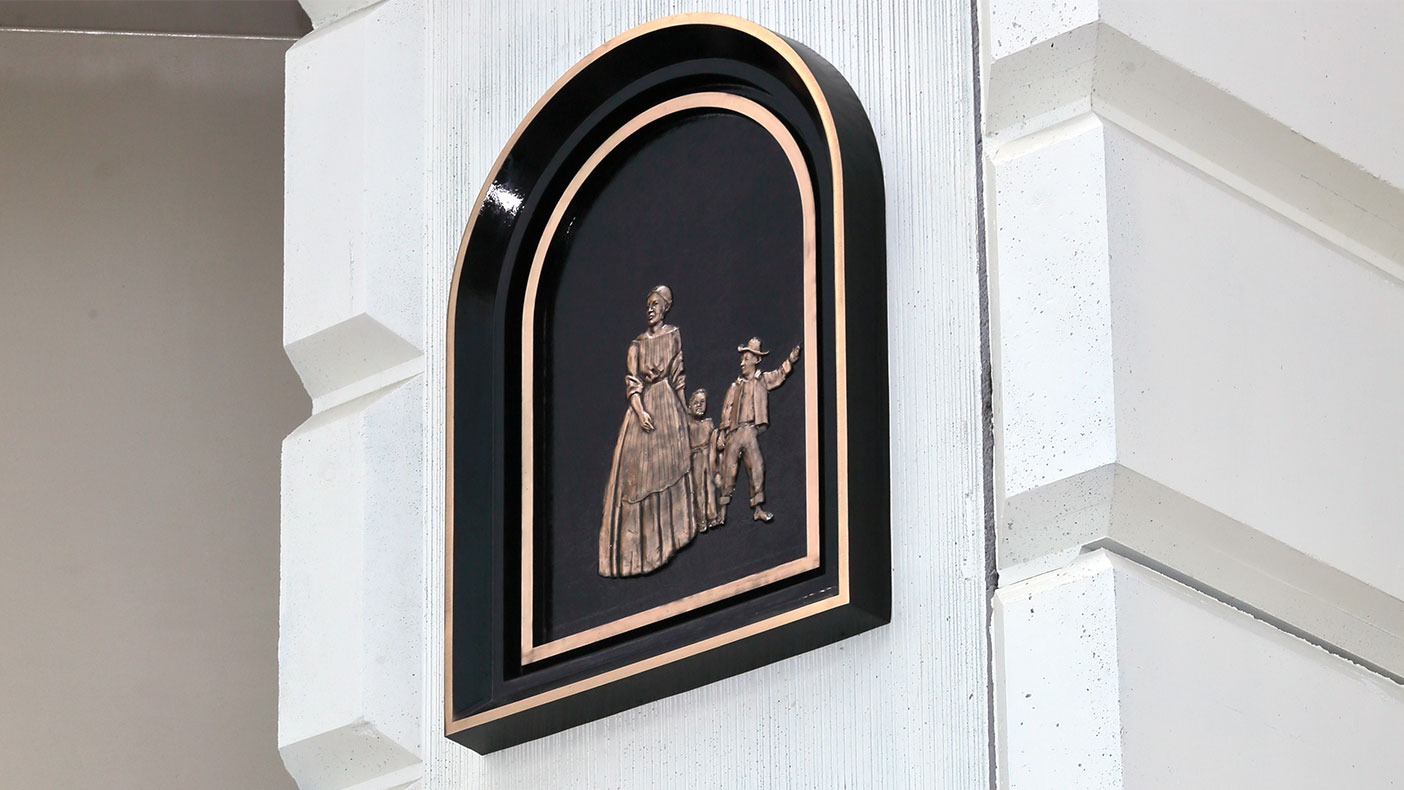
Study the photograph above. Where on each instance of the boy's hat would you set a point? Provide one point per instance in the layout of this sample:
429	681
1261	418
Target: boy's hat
754	346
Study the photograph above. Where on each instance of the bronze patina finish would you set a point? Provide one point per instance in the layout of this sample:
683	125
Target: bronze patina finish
648	502
662	490
745	416
705	445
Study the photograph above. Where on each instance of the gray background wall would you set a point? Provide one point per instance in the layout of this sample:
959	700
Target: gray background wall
144	396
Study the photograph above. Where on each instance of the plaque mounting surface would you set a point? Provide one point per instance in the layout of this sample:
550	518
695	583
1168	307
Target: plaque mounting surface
697	205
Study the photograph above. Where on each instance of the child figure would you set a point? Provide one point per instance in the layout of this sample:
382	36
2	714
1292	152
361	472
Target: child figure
745	415
703	438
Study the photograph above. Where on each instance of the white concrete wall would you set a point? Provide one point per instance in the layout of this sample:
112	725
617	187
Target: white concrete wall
1207	190
1114	676
144	395
352	642
370	172
1257	367
1211	697
1049	223
1322	69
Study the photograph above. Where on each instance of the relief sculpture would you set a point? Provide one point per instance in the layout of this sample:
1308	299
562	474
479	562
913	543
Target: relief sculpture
648	507
673	473
745	415
704	453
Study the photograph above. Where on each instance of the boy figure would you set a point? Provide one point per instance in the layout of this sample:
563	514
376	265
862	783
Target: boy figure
703	437
745	414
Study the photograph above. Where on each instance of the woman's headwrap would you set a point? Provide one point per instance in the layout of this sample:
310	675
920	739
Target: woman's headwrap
667	294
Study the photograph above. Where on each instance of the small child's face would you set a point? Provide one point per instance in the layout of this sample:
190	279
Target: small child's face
698	404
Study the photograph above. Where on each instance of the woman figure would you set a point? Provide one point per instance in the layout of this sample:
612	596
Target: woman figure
648	511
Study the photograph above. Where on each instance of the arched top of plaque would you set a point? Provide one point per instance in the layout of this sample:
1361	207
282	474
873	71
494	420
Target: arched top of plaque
704	169
646	66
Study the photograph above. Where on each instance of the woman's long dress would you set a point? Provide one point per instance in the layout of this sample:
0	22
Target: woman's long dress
648	512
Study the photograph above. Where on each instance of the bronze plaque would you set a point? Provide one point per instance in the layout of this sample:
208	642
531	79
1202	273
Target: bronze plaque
667	457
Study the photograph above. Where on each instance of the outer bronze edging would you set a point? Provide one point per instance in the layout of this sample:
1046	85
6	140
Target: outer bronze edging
875	611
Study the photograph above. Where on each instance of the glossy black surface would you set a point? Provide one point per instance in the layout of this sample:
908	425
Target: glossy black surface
684	210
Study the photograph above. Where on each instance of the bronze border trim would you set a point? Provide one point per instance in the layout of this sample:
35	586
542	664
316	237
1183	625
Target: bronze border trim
784	50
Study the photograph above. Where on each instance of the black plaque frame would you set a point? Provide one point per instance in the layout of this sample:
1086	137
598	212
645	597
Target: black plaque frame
493	698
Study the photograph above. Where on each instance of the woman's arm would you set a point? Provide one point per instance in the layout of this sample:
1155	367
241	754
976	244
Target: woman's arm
677	377
633	385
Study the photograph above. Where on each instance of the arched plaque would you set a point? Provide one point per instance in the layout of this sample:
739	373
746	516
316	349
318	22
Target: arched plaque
667	405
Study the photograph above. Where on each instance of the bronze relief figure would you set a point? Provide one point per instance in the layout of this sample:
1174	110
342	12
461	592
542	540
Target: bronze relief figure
673	473
704	452
648	502
745	415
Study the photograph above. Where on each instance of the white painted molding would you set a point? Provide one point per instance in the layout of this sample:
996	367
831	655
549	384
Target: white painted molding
1226	138
345	656
1096	66
350	653
325	12
1255	364
1012	28
1116	508
1061	85
1033	89
352	358
1057	688
1111	675
1049	262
